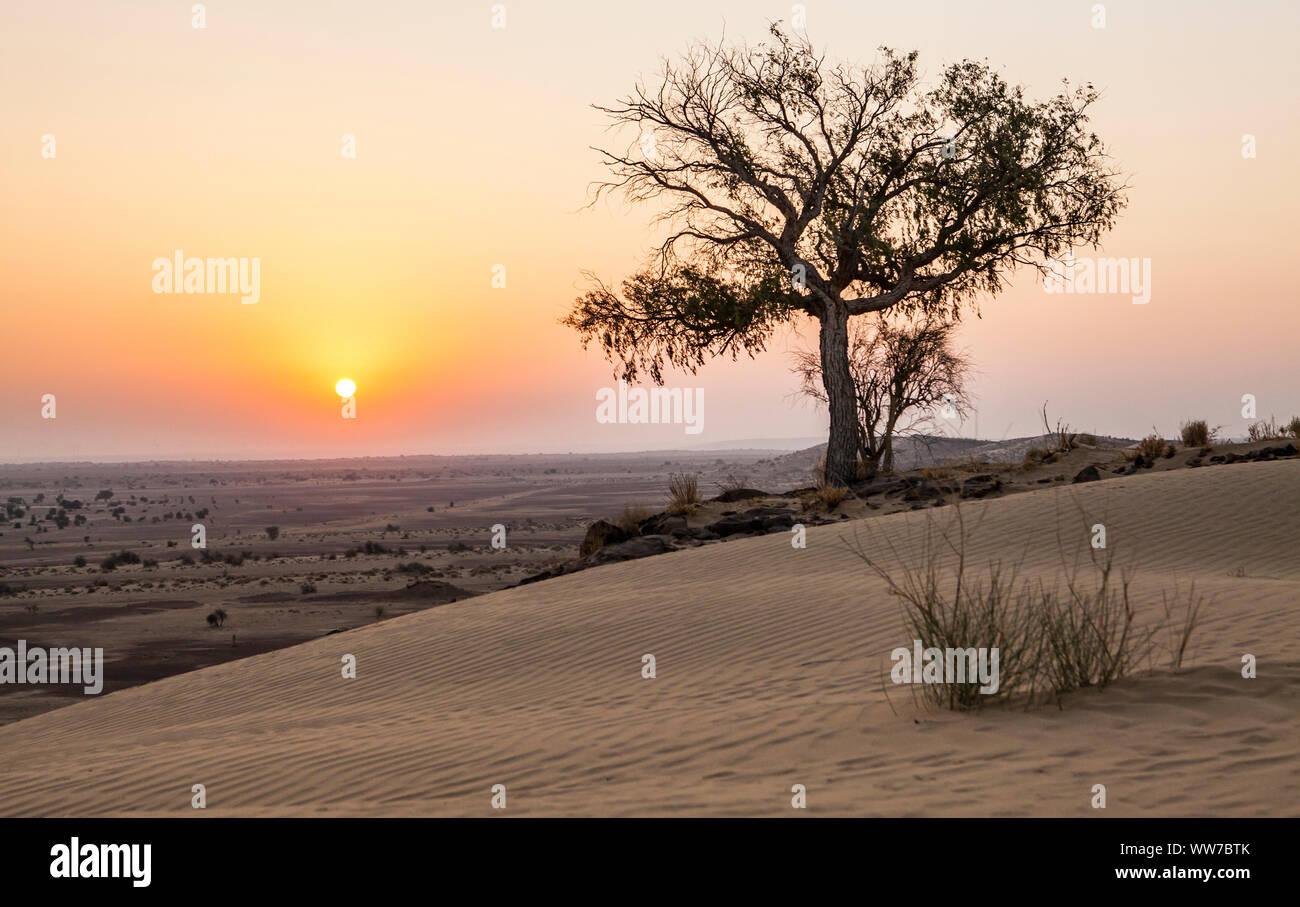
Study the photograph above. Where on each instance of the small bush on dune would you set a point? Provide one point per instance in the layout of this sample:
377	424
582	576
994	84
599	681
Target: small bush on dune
683	494
1153	447
1196	433
1050	640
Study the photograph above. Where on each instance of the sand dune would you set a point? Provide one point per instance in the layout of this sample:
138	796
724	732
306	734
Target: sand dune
769	663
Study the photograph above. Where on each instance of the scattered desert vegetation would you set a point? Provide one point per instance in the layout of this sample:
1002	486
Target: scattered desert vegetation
1269	430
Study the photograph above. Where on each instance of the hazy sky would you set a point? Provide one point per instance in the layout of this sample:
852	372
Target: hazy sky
472	150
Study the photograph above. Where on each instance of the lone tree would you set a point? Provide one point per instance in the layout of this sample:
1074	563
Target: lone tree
792	186
902	374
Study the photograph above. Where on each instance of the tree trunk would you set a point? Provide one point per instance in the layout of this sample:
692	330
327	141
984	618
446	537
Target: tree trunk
841	397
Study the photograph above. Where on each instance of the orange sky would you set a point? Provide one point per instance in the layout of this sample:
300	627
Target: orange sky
473	150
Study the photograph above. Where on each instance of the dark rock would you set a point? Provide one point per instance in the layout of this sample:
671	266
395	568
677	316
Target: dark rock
925	489
545	574
882	485
599	534
759	519
731	495
662	524
645	546
698	533
979	486
1087	474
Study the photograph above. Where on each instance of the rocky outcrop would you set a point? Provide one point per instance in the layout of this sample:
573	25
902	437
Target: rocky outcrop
599	534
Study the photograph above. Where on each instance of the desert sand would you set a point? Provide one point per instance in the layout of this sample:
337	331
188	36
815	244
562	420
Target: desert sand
771	665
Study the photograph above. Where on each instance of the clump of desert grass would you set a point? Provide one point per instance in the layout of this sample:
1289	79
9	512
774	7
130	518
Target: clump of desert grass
683	494
937	472
825	494
1078	632
829	496
1197	433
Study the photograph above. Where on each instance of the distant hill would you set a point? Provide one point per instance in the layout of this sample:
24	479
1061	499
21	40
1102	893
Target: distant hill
759	444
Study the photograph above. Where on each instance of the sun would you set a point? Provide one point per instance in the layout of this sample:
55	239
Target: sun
346	387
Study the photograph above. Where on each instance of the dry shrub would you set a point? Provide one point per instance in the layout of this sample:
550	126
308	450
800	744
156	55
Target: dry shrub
1051	640
1196	433
1294	427
1153	447
1268	430
830	496
683	494
632	517
1060	438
